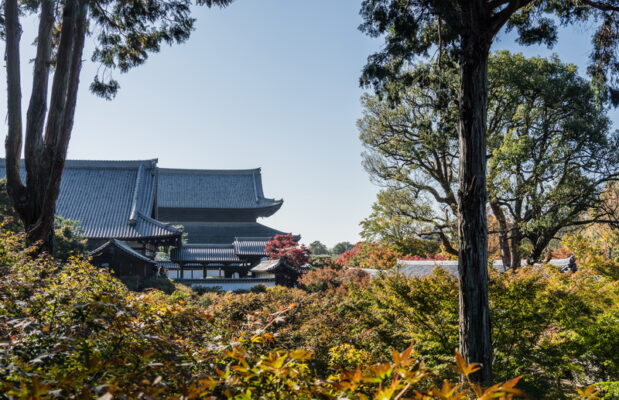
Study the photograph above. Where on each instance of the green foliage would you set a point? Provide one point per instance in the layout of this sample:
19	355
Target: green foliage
551	150
74	331
610	390
318	248
163	284
322	279
68	239
557	331
371	255
325	261
7	212
413	29
393	219
341	247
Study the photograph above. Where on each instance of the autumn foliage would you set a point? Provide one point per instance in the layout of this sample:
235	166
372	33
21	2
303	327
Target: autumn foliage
74	331
286	248
371	255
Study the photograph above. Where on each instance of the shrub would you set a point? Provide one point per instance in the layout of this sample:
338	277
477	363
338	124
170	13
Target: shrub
324	261
164	284
258	289
371	255
68	239
329	278
200	290
74	331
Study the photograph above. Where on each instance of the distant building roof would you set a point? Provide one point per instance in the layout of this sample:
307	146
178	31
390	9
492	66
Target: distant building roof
117	199
267	266
247	246
279	264
110	199
214	189
226	232
167	264
423	268
420	268
124	247
205	253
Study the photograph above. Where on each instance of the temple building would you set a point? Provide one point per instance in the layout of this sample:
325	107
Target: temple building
206	221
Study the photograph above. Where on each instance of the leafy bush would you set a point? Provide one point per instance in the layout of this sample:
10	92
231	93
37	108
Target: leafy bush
164	284
68	239
258	289
328	278
323	261
74	331
372	255
200	290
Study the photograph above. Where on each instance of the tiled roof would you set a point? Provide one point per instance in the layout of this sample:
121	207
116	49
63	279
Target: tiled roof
205	253
225	232
213	189
420	268
251	246
167	264
266	266
273	265
123	247
110	199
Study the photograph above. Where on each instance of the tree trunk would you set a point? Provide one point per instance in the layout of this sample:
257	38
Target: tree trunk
516	240
13	142
506	254
45	155
475	339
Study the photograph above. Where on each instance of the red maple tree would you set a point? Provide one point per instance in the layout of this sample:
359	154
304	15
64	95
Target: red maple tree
286	248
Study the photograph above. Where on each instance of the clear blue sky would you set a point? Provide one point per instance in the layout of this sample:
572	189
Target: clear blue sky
262	83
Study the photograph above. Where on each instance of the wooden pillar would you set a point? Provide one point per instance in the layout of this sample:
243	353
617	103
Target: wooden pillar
204	271
182	271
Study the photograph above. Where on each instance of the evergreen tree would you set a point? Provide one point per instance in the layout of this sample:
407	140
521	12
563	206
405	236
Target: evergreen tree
466	30
124	33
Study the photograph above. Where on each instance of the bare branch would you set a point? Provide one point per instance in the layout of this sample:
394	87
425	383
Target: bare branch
600	5
498	20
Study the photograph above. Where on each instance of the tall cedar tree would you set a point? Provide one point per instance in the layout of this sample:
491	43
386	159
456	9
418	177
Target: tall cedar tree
466	29
125	33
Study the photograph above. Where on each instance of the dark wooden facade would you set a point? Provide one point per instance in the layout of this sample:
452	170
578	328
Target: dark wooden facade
127	264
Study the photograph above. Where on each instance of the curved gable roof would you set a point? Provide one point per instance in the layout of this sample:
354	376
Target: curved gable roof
110	199
212	189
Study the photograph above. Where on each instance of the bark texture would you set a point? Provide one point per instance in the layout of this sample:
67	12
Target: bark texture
475	339
46	142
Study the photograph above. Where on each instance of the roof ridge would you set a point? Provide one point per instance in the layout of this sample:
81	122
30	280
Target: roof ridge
84	161
136	195
209	245
110	164
251	171
159	223
123	246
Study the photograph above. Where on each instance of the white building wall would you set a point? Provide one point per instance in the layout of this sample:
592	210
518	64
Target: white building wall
244	284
